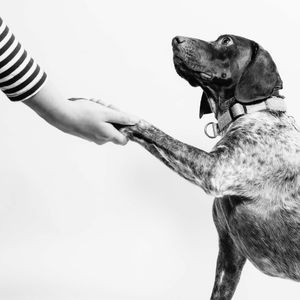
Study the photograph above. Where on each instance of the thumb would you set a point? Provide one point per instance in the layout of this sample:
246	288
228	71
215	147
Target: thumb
116	136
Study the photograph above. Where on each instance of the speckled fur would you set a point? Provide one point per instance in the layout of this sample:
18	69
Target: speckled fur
254	173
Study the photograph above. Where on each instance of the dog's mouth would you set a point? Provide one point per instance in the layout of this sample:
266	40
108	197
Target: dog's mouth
194	76
206	76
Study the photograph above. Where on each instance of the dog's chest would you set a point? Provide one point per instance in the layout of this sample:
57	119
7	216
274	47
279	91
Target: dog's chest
259	154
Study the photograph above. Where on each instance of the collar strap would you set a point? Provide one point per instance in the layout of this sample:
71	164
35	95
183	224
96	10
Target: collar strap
237	110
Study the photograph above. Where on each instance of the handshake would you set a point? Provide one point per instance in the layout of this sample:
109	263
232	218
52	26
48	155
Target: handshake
100	122
90	119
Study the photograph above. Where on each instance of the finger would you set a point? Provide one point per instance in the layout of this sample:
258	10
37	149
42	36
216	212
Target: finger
76	98
110	134
114	107
118	117
99	101
101	142
120	140
108	105
117	137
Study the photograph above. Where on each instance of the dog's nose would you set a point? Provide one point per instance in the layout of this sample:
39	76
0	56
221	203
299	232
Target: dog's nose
178	40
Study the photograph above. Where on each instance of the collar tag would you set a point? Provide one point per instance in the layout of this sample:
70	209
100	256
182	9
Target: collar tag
215	131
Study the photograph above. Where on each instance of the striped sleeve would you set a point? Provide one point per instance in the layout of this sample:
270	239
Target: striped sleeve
20	76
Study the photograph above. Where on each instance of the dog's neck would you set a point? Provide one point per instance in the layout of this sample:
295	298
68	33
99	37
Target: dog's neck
224	105
235	110
221	100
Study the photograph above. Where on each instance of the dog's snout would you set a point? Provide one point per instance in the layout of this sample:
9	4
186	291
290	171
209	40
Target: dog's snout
178	40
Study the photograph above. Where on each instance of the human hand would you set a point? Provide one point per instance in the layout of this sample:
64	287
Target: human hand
93	120
89	119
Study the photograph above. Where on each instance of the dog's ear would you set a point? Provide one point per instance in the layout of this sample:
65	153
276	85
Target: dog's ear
204	106
260	78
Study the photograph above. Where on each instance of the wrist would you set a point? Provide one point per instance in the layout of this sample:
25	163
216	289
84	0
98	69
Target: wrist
53	108
63	117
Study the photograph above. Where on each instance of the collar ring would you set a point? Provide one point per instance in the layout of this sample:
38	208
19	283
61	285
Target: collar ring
215	131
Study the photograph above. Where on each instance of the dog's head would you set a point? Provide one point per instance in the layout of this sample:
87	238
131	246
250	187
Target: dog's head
231	67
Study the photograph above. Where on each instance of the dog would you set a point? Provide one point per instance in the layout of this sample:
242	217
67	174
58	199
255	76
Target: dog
254	169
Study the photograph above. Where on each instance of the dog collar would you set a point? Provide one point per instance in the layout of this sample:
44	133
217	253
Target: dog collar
237	110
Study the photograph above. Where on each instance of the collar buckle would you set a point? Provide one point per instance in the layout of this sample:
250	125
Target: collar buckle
215	130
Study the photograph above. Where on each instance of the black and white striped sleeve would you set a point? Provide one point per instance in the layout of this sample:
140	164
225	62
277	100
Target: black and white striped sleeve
20	76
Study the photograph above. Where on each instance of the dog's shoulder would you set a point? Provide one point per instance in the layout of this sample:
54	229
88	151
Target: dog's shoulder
267	129
258	151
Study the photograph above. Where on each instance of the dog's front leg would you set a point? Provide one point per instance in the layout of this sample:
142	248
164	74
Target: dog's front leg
230	261
229	267
191	163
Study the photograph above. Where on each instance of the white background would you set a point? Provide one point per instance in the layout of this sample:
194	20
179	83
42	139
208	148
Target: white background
79	221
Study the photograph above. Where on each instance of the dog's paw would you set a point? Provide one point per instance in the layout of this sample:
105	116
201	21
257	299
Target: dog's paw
137	129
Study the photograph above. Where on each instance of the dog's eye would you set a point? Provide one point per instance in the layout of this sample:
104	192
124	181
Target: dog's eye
226	41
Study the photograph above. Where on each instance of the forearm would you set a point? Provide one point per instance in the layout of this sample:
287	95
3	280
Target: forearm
53	107
20	76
